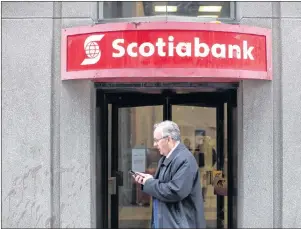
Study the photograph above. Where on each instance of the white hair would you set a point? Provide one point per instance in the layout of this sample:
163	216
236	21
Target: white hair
169	128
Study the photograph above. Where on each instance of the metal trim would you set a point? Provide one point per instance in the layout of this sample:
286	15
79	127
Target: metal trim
220	119
114	166
102	163
164	85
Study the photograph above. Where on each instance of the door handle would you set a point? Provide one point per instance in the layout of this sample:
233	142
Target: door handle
115	181
112	185
119	177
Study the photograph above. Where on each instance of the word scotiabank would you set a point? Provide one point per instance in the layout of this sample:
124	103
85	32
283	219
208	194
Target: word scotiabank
166	49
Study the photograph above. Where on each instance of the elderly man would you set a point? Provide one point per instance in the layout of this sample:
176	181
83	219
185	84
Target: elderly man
175	187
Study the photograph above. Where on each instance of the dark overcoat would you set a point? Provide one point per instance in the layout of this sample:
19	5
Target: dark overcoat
177	188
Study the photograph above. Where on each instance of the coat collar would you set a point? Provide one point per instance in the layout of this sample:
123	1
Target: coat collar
166	161
174	154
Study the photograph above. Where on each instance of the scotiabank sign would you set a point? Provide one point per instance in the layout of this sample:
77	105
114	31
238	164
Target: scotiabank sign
169	51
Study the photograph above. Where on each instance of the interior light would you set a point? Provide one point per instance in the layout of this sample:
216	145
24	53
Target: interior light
208	16
210	8
166	9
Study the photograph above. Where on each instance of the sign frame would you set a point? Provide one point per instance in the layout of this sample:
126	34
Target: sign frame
166	74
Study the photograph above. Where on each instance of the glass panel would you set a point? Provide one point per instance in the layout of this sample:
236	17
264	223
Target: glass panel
136	152
198	133
200	9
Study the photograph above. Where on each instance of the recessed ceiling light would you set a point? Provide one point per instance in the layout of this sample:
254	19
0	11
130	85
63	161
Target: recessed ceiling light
210	8
166	9
208	16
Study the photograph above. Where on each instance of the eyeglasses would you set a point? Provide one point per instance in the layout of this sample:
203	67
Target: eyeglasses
157	140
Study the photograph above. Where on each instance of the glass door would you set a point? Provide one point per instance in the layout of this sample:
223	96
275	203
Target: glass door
126	142
130	146
201	121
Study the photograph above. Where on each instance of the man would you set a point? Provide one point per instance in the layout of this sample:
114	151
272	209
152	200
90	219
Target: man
175	187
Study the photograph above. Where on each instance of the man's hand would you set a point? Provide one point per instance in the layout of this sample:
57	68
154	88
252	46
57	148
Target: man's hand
141	178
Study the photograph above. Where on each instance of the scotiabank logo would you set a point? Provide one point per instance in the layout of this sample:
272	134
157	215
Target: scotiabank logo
92	49
168	48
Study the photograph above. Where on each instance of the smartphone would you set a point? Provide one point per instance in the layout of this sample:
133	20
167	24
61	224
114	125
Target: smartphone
132	172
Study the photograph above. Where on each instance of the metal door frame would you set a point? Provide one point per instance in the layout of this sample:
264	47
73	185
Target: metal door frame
167	99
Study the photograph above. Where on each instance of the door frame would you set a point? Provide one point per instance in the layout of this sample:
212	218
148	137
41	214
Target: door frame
167	99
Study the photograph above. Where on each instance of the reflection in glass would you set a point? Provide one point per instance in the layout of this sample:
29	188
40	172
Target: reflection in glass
198	132
136	152
125	9
198	125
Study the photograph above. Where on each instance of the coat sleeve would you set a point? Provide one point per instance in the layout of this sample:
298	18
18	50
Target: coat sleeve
176	189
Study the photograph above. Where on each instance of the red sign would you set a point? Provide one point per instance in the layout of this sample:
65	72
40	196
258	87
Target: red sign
166	50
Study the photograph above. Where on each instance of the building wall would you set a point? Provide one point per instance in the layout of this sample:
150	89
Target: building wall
290	113
270	145
255	138
26	108
48	125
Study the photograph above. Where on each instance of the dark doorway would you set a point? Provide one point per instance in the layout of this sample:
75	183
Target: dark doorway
125	119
